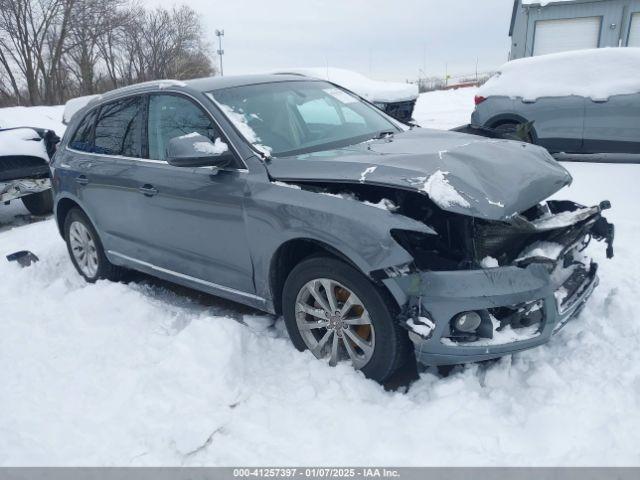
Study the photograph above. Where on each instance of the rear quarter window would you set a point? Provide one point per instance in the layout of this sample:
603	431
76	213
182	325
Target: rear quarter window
83	137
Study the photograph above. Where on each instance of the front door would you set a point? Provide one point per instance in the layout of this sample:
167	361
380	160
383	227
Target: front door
193	218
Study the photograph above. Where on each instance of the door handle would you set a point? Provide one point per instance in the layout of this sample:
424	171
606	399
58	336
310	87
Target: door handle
82	179
148	190
599	100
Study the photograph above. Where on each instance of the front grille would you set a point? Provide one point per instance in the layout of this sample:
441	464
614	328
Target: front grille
16	167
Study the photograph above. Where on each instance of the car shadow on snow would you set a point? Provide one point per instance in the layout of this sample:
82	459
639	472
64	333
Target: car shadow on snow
16	215
185	297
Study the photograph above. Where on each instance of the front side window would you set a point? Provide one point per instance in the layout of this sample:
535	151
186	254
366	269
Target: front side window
119	128
295	117
172	116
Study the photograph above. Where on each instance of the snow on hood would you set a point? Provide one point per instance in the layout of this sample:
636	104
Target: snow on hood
466	174
22	142
75	105
597	74
372	90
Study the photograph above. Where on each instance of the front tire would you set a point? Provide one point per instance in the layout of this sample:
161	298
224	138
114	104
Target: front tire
337	313
40	203
85	249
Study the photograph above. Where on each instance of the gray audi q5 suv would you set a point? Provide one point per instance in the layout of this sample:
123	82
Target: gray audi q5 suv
374	240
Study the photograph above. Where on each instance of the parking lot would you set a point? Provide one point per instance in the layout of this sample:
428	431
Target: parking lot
145	373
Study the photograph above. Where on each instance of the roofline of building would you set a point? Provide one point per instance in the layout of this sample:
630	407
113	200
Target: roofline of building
518	3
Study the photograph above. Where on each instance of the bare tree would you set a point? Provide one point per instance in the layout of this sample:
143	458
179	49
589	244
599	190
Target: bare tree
32	34
53	49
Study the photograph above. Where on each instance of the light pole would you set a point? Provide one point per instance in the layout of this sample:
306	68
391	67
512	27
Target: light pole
220	34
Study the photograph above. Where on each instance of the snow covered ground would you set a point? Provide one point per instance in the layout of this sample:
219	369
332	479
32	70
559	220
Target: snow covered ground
143	374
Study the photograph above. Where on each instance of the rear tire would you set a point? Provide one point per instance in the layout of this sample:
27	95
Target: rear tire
39	203
85	249
385	345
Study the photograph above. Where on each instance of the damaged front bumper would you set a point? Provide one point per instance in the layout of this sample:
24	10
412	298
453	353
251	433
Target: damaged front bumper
508	309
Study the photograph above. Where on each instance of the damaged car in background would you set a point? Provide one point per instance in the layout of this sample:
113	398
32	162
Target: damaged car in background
377	242
24	167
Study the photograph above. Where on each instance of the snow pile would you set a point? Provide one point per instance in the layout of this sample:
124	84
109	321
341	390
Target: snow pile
372	90
489	262
23	141
75	105
542	249
597	74
440	191
36	117
217	148
445	109
562	219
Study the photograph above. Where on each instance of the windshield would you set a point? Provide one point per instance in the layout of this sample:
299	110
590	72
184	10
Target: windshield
290	118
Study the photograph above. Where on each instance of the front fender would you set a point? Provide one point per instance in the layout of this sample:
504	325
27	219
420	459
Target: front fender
362	233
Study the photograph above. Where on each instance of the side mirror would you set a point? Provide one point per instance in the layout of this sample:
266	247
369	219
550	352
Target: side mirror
195	150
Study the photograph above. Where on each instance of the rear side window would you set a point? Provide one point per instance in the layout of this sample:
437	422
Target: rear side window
83	138
172	116
119	128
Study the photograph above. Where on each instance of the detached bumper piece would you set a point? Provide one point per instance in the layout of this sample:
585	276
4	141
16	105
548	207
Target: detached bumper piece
483	314
21	188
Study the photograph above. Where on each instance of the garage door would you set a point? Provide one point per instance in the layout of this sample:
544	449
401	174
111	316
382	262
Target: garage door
553	36
634	32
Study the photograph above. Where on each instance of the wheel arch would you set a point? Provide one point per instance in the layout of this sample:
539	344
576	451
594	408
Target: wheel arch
291	253
63	206
503	118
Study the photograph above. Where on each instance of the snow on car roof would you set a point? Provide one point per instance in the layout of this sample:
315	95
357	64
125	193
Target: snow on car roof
596	73
372	90
74	105
22	142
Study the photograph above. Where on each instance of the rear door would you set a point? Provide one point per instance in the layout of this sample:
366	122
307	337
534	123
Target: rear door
106	146
612	125
192	219
562	35
557	121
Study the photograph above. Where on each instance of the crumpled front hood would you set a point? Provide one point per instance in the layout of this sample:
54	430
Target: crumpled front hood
466	174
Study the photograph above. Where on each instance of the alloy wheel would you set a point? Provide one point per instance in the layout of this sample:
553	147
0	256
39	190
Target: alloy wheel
334	323
84	249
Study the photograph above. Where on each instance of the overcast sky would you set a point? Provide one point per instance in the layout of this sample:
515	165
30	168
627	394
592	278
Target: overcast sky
389	40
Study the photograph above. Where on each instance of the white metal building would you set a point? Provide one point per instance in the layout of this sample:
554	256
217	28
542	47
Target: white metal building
540	26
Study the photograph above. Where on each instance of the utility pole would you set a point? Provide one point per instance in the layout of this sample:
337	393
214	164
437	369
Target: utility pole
220	34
